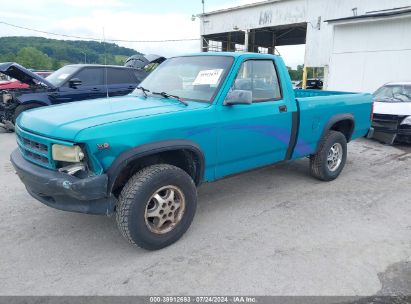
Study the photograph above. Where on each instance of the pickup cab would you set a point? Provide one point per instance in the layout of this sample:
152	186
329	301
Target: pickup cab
196	118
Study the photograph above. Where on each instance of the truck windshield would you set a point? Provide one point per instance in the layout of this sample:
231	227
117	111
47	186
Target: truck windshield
393	93
61	75
193	77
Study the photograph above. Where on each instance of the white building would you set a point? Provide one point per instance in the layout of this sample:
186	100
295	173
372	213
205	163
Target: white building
361	44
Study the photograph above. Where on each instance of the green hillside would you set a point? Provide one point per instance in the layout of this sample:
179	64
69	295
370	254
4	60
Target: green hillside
51	54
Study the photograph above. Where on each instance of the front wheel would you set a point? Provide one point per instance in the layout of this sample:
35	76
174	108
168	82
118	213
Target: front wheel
156	206
329	161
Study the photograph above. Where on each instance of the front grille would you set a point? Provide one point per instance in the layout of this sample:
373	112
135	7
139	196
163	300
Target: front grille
388	122
32	144
35	148
37	157
387	117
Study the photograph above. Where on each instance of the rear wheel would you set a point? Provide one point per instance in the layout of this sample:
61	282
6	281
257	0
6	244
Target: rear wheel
329	161
21	108
156	206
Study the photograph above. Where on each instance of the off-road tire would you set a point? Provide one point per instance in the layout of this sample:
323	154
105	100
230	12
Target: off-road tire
130	211
21	108
318	162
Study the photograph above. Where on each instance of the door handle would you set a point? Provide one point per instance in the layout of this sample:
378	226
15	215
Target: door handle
95	89
282	108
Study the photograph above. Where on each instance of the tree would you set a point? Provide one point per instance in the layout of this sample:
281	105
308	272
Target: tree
311	72
296	74
9	57
63	51
56	64
32	58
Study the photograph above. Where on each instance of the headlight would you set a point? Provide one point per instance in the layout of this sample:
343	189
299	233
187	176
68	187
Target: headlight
406	121
72	154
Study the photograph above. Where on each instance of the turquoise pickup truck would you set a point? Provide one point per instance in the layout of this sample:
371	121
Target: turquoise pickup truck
196	118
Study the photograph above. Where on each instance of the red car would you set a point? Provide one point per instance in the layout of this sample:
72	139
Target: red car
14	84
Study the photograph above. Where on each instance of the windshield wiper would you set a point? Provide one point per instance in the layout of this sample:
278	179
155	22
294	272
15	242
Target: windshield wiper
144	90
166	95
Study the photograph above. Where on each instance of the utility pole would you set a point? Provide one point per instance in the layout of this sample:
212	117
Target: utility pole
202	1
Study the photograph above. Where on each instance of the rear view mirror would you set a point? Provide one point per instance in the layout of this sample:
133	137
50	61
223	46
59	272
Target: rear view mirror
235	97
74	82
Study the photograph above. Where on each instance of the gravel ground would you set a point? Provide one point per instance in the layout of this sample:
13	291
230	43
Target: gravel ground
274	231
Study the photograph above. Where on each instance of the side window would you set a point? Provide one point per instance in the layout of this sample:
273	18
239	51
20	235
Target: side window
259	77
118	76
90	76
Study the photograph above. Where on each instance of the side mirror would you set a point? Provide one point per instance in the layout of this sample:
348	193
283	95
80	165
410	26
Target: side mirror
235	97
74	82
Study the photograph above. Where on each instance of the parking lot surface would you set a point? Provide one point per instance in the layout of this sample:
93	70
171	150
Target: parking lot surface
273	231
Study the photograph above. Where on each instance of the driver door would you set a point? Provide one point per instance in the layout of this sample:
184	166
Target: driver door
256	134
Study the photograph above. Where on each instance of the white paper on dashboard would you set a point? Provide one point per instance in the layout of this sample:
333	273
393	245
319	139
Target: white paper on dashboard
209	77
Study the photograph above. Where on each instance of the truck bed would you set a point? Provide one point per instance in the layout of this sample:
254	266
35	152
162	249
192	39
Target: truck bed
317	108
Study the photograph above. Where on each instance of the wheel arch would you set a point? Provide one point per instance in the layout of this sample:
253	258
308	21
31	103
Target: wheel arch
33	98
343	123
33	102
20	108
184	154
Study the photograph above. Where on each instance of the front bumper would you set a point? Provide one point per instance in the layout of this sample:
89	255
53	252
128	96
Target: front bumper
63	191
388	129
389	137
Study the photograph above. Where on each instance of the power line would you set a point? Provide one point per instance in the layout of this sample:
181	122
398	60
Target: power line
95	39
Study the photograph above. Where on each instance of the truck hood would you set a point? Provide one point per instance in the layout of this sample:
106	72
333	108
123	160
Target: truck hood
141	61
20	73
67	120
392	108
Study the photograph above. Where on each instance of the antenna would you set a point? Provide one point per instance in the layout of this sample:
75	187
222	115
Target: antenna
105	64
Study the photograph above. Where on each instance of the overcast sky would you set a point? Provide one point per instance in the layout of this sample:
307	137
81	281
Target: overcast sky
122	19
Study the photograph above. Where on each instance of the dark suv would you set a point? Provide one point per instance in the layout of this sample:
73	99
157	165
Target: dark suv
311	84
70	83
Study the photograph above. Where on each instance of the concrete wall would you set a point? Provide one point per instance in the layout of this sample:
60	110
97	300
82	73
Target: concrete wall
283	12
368	54
279	12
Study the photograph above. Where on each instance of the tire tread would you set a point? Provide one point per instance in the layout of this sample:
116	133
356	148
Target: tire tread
317	160
128	193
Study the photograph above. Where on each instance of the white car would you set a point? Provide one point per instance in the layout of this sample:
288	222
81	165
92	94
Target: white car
392	113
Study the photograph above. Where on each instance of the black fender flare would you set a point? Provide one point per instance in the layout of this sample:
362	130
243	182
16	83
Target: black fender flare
332	121
28	98
135	153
